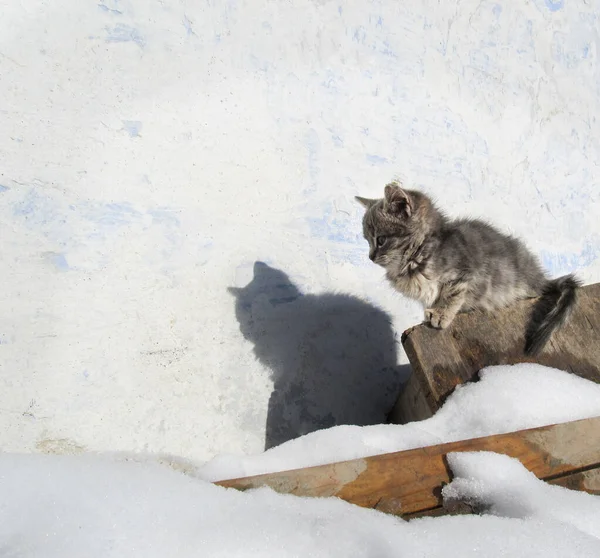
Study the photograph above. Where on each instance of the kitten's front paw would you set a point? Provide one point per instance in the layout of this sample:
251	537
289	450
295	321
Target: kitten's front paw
437	318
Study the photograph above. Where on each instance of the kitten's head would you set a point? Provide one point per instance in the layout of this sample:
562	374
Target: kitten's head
397	225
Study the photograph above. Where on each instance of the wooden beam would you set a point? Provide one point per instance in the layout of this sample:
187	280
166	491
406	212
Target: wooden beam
410	482
440	360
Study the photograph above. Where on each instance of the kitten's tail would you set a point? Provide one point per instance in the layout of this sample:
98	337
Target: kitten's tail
551	311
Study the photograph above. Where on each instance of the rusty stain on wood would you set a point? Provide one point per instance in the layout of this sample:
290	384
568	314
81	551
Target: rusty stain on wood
410	482
441	360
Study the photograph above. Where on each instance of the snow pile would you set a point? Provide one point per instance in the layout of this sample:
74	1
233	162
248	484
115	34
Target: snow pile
66	506
507	398
502	486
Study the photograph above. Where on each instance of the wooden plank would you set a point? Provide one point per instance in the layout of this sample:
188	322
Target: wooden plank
411	403
409	482
585	481
442	359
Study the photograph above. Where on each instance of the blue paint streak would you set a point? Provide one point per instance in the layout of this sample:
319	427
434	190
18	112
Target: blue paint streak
569	57
27	206
387	50
68	225
132	127
560	263
3	188
59	261
188	26
124	34
313	147
336	227
377	160
164	216
331	82
497	10
555	5
113	11
112	214
360	34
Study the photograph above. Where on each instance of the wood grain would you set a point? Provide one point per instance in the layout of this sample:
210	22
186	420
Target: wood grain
440	360
410	482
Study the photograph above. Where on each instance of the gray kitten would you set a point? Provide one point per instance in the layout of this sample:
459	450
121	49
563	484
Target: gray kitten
460	265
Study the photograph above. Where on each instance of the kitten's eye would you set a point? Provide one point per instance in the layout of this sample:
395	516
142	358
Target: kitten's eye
381	240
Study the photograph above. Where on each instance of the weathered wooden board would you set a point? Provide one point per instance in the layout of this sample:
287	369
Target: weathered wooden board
442	359
409	483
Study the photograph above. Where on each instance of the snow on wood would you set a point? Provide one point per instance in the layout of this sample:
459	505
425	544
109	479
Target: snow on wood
441	360
410	482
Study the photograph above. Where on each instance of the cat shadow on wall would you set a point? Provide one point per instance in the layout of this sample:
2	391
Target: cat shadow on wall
332	356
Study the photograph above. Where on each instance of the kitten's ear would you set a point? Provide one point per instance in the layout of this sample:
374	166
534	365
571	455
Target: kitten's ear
397	201
365	202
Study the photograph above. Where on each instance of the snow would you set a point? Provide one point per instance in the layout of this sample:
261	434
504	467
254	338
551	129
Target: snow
505	399
502	486
68	506
114	505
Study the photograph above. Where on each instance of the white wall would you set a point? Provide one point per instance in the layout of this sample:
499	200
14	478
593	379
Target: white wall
152	151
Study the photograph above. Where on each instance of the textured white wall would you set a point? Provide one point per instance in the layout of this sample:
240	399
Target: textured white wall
152	151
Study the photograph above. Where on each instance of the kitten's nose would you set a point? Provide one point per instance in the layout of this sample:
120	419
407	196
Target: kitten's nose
372	254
